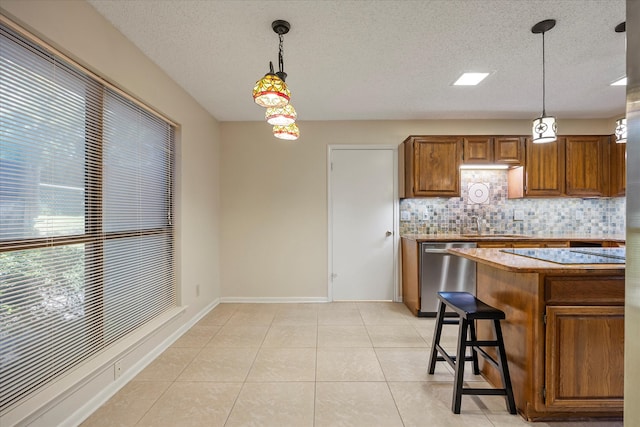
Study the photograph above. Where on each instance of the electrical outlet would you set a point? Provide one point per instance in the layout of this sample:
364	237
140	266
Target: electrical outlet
579	215
197	290
117	369
425	214
405	216
518	215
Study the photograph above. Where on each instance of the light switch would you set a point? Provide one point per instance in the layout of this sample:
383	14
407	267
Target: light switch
405	216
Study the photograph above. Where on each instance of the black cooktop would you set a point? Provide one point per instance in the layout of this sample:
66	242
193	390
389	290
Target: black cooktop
574	255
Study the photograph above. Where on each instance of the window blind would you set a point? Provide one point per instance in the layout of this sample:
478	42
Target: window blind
86	204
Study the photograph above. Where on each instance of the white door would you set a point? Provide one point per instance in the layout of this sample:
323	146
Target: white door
362	242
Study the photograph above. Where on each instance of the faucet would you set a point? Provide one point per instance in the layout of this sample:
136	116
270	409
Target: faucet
477	220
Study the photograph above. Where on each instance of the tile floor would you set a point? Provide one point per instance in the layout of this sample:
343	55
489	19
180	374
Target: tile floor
334	364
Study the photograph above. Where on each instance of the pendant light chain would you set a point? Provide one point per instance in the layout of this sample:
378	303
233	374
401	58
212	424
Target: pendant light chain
280	56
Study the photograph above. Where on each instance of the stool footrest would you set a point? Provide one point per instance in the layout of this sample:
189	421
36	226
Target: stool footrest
485	391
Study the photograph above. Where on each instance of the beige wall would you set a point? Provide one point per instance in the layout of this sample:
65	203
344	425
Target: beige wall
274	196
79	31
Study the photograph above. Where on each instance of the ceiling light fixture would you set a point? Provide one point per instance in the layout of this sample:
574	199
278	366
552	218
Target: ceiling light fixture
622	81
271	90
544	127
621	123
470	79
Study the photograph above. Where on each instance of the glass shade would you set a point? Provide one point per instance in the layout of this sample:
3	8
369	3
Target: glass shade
290	132
271	91
281	116
544	129
621	130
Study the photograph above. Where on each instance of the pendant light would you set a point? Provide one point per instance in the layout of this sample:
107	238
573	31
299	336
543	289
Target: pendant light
281	115
621	123
289	132
544	127
621	130
271	90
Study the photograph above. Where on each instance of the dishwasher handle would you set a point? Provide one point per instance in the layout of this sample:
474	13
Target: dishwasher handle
435	251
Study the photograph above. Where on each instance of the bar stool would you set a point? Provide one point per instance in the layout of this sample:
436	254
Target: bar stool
469	309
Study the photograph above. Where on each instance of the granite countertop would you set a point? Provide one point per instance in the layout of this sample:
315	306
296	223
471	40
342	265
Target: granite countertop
507	237
523	264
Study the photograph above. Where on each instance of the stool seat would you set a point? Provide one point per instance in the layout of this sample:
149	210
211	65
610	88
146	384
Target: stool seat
470	309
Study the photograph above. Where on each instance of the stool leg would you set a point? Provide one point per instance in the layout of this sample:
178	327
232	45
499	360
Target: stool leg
436	338
504	368
459	374
474	353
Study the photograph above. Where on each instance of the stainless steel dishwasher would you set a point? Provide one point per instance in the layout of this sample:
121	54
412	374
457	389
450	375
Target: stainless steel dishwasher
441	271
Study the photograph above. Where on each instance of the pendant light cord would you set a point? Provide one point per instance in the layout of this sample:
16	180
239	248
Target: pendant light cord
544	112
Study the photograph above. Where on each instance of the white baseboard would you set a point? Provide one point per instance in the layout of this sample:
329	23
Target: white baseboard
260	300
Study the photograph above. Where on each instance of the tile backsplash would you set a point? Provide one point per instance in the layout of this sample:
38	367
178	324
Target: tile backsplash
484	196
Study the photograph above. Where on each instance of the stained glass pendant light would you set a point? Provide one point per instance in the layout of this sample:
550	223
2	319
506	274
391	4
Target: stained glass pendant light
290	132
271	90
544	128
281	116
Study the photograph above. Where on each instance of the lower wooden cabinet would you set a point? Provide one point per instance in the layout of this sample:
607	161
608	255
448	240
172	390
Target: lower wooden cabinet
584	357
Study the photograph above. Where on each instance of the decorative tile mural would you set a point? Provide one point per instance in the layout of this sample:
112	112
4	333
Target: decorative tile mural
556	216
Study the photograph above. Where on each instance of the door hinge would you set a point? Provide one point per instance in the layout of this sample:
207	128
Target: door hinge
544	318
544	394
333	276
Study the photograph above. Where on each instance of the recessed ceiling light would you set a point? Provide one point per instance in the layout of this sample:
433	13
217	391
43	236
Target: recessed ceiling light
470	79
620	82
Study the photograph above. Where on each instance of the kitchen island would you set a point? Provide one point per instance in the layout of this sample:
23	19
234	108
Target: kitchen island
564	328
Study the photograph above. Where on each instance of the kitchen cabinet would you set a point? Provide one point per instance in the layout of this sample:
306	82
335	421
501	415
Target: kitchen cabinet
506	150
574	166
544	168
617	169
584	331
410	276
477	150
431	166
587	166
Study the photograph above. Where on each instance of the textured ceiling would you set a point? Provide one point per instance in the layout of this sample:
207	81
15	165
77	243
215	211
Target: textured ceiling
387	60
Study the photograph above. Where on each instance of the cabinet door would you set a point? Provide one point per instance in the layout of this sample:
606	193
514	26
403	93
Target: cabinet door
545	168
618	169
508	150
477	150
587	170
436	166
584	357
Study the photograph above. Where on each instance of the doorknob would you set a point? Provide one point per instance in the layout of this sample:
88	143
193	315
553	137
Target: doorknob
388	233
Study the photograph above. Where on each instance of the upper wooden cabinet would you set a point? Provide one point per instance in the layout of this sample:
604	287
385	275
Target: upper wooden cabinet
544	168
493	150
508	150
587	166
617	169
431	166
477	150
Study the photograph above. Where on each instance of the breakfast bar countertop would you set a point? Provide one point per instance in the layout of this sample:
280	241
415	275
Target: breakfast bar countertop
500	259
472	237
